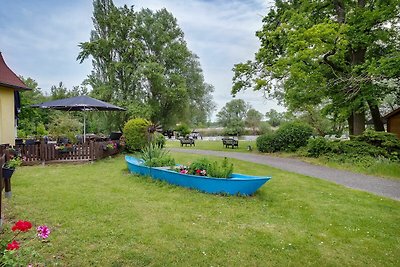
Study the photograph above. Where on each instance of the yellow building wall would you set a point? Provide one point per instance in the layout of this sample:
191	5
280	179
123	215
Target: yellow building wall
7	128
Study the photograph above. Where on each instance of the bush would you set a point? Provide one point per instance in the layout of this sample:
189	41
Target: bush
388	141
348	151
213	169
235	128
358	148
136	134
183	130
317	147
156	156
65	125
223	170
290	136
265	128
199	164
266	143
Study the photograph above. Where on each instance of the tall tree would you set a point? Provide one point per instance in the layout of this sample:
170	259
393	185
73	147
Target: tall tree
141	61
201	102
333	53
253	119
30	118
232	116
274	117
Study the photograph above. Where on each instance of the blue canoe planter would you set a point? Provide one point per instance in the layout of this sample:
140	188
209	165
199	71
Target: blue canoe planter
236	184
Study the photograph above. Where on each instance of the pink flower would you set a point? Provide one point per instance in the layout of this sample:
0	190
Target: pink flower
184	171
43	231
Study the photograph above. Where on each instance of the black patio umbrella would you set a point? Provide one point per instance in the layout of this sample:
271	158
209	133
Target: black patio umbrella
79	103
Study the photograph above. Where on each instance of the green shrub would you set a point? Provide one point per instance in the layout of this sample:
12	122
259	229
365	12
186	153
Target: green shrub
318	146
223	170
358	148
199	164
352	151
234	129
183	129
388	141
65	125
265	128
155	156
41	130
290	136
136	134
213	169
266	143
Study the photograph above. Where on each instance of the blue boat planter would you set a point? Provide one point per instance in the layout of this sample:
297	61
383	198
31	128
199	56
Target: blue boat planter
236	184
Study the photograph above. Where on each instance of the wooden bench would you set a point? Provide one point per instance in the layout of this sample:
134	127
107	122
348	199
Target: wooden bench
187	141
230	142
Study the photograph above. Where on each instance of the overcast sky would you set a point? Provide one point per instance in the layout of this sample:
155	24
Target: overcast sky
39	39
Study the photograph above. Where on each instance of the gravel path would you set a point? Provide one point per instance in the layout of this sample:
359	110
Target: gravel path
372	184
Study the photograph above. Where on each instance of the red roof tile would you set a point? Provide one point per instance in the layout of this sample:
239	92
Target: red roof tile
8	78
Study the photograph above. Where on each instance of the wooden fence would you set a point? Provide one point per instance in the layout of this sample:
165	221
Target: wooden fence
51	153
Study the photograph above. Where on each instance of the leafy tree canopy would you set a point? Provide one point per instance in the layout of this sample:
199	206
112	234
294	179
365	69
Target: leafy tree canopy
335	53
253	119
232	116
141	62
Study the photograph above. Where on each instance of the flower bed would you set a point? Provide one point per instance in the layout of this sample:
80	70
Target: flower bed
15	249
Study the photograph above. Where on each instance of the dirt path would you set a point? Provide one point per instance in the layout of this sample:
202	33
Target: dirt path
372	184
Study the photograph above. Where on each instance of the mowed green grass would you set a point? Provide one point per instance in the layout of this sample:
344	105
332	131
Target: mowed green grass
389	170
103	216
385	169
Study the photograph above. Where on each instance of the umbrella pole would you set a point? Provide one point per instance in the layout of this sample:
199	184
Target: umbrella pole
84	127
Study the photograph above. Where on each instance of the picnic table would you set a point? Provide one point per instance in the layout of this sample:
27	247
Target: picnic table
230	142
187	141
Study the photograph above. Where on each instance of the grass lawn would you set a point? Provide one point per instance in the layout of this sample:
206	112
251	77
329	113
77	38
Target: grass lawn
386	169
103	216
382	169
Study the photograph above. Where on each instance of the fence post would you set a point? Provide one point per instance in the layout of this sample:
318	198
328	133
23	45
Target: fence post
42	152
91	150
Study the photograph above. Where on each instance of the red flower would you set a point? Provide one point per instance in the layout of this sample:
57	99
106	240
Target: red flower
198	171
23	226
13	245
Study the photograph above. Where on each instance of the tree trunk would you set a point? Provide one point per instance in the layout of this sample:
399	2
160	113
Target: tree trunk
358	123
376	117
350	121
340	12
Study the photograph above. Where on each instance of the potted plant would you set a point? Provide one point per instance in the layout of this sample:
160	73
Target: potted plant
8	168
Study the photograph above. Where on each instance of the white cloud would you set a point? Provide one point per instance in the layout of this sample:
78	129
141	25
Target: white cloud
42	41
